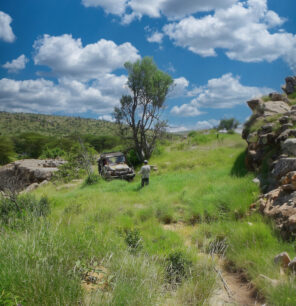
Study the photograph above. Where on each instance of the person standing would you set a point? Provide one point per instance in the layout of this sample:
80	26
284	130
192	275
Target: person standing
145	172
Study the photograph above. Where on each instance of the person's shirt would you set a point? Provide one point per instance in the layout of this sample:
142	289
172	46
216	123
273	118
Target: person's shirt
145	171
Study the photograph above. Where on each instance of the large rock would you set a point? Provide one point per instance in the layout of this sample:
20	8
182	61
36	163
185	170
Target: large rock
20	174
275	96
285	135
290	86
283	166
256	105
289	146
275	107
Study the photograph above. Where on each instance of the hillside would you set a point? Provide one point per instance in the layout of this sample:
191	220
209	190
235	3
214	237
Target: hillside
16	123
171	243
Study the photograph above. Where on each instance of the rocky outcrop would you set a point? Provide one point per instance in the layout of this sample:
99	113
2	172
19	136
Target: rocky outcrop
271	137
27	174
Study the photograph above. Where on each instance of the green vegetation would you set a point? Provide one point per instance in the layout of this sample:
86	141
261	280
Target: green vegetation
152	245
6	150
139	115
228	124
17	123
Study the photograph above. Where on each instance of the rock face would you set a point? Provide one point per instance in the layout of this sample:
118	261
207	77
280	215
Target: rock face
22	174
271	138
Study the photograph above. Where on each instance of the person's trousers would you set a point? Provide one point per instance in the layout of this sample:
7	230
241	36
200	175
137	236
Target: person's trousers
145	181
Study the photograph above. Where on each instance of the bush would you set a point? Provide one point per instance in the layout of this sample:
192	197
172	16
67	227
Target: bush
15	209
132	158
177	266
52	153
6	150
92	179
228	124
133	240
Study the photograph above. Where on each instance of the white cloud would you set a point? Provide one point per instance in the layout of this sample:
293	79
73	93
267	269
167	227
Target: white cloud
107	118
16	64
155	37
242	30
173	9
67	57
6	32
223	92
206	124
186	110
177	129
179	87
70	96
116	7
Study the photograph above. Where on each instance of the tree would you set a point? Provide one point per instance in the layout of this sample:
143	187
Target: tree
228	124
6	150
139	114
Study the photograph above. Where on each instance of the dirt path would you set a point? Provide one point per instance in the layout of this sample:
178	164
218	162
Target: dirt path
232	288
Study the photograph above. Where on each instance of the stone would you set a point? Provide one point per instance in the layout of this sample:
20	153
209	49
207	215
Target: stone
267	139
290	86
284	119
282	259
292	265
31	187
275	96
275	107
286	126
289	178
283	166
256	105
289	146
286	134
256	181
267	128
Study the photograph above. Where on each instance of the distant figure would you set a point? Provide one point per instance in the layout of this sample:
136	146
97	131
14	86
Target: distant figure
145	172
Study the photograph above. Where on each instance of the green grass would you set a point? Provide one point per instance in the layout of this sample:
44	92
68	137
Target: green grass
121	227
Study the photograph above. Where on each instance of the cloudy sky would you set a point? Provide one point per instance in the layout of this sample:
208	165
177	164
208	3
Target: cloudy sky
66	56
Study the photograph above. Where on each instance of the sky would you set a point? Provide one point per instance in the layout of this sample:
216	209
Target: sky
66	57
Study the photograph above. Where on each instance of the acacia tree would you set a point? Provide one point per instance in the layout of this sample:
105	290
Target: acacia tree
139	114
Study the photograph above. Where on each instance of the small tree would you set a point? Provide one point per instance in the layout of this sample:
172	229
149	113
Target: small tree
6	150
228	124
139	114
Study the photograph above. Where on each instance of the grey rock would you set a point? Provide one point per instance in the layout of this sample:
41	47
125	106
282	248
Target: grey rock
283	166
290	86
282	259
289	146
286	134
275	96
267	128
286	126
256	181
284	119
275	107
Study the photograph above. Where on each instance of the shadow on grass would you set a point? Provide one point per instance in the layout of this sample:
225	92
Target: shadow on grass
239	168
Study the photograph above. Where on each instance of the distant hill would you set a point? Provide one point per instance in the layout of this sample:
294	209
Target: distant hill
17	123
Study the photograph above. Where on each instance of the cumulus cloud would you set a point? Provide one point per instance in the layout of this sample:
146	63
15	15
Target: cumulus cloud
206	124
179	87
106	118
116	7
223	92
243	30
16	64
67	57
155	37
70	96
6	32
172	9
177	129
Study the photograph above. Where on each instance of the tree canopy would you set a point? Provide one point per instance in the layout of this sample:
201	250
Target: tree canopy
139	114
228	124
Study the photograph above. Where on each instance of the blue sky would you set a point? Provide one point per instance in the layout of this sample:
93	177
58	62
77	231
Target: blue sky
67	56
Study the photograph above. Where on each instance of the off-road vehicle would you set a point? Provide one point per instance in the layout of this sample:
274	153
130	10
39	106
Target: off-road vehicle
113	165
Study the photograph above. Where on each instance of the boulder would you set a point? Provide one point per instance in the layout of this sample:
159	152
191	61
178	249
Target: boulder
284	119
21	174
275	96
286	134
290	86
31	187
267	128
286	126
289	146
283	166
256	105
275	107
282	259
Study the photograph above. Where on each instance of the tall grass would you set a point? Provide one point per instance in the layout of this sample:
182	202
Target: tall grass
122	227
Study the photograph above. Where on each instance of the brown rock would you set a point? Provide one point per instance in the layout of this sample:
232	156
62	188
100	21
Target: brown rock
283	259
256	105
292	265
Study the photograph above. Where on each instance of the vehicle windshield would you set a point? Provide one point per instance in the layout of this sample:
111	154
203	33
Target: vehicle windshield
116	160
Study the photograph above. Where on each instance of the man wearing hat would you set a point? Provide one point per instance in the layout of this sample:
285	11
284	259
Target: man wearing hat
145	172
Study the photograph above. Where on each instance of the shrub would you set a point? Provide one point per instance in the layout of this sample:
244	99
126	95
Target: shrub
132	158
16	208
6	150
177	266
91	179
133	240
52	153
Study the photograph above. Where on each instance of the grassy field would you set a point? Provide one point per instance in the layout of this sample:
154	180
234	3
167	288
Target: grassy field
116	233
